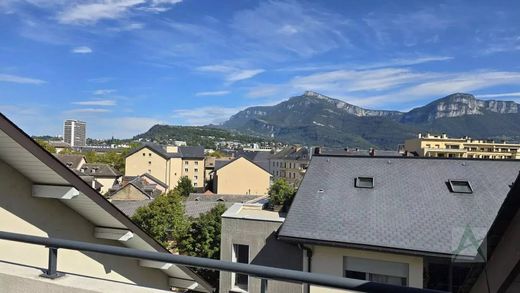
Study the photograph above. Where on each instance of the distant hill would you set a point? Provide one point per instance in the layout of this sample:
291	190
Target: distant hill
196	135
315	119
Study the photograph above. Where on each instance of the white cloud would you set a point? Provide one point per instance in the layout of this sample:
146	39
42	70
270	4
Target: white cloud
101	79
231	73
87	110
102	92
121	127
514	94
20	79
94	11
96	103
82	50
290	27
212	93
204	115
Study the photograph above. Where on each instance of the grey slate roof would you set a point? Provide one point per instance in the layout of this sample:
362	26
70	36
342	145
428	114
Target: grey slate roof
100	170
195	208
128	207
357	152
292	153
187	152
221	197
72	161
410	207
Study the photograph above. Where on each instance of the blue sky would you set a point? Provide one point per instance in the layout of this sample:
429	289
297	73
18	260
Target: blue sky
124	65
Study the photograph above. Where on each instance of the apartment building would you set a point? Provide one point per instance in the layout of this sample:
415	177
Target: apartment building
167	163
406	221
249	236
241	176
442	146
42	197
75	133
290	164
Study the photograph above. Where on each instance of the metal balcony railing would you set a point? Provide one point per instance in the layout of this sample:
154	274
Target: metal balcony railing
262	272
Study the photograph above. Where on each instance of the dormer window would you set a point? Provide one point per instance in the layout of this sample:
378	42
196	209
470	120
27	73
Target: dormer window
364	182
460	186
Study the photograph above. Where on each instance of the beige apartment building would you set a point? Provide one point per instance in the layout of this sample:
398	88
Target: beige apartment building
241	176
168	164
442	146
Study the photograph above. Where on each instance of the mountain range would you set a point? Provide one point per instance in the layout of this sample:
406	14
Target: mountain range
315	119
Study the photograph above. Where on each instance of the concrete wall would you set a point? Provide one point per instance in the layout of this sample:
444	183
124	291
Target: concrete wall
329	260
22	213
106	182
137	164
129	192
264	249
242	177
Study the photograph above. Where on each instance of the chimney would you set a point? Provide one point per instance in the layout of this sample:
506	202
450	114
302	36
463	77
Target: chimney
372	152
317	150
420	135
444	135
172	149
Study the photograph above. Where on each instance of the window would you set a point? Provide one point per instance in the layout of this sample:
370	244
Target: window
196	163
185	169
364	182
460	186
240	255
195	177
186	162
149	154
144	154
194	184
149	162
386	272
196	170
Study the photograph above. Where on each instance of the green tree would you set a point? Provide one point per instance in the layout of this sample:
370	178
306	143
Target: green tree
47	146
281	193
164	219
216	154
203	240
184	186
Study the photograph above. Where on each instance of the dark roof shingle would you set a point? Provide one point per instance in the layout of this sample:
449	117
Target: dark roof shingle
410	207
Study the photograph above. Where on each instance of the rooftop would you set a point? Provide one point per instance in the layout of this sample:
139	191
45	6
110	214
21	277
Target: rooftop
253	211
410	207
99	170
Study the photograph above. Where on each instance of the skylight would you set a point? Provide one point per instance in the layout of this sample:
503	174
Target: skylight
460	186
364	182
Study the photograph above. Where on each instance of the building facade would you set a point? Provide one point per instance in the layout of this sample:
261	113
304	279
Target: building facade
442	146
167	164
290	164
249	236
75	133
241	176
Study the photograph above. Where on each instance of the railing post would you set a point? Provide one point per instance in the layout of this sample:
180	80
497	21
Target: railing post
263	285
52	271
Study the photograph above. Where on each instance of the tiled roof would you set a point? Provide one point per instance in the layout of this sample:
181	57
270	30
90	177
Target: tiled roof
357	152
128	207
72	161
293	153
188	152
99	170
196	208
221	197
410	207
